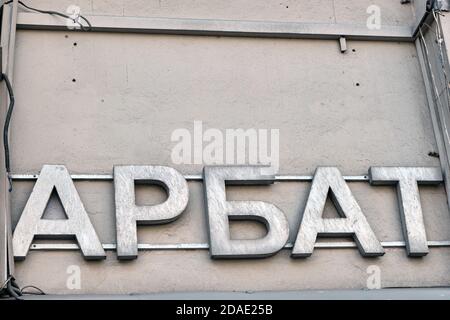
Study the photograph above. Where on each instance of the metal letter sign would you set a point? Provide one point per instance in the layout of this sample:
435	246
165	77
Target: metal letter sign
220	210
353	221
128	214
77	223
406	180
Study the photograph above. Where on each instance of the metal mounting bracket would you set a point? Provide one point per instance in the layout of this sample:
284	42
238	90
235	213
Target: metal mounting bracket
343	44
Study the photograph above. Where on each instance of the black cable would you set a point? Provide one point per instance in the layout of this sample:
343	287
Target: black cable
11	289
6	128
56	13
40	291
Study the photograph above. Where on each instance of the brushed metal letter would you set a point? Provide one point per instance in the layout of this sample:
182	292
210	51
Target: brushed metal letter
407	179
219	211
353	221
128	214
77	223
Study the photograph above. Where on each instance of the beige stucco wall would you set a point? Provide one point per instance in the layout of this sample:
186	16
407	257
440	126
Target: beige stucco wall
133	90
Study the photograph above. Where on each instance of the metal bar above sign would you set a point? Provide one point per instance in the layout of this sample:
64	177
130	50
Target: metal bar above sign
234	28
106	177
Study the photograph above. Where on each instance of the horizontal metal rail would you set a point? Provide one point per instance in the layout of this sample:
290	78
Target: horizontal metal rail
205	246
106	177
233	28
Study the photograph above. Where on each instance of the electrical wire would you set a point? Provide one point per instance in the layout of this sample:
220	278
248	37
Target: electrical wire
6	127
55	13
11	289
39	291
